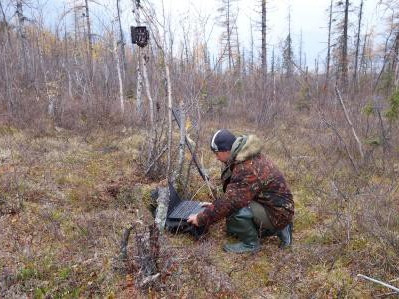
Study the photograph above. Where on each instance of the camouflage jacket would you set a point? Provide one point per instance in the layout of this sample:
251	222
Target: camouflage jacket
253	177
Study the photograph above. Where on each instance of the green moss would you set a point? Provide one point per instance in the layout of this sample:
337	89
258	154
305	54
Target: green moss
374	140
79	194
73	179
8	130
66	293
64	273
368	109
319	238
325	282
40	293
73	195
304	219
57	215
358	243
93	168
28	272
127	196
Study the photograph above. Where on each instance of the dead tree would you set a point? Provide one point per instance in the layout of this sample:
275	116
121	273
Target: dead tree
329	43
355	69
288	53
22	33
273	73
251	59
264	44
344	55
147	251
229	16
89	40
5	25
342	44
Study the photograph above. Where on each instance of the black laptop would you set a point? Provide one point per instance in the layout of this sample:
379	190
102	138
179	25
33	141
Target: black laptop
178	209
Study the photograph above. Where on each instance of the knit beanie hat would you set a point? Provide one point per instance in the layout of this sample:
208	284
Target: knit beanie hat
222	141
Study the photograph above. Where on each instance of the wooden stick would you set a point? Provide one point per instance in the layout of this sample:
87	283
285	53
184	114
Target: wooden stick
149	279
125	241
379	282
359	144
162	208
155	160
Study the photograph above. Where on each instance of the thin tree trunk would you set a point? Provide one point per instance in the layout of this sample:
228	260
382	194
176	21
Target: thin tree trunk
228	25
329	45
22	33
182	139
238	64
89	40
6	25
344	53
273	71
359	144
151	108
120	80
169	94
362	66
300	50
10	102
264	45
139	103
357	45
148	90
252	48
121	40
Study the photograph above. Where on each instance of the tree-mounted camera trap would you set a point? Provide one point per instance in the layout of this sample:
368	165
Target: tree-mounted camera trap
140	35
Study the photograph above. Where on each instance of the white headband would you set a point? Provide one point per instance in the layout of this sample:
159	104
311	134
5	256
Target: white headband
213	144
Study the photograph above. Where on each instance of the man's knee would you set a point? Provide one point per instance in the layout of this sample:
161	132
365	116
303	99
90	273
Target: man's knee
261	216
236	221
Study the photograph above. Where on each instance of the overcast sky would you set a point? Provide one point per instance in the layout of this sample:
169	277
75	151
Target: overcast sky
310	16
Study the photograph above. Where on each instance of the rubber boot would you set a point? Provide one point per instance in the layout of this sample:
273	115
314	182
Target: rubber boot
285	236
242	226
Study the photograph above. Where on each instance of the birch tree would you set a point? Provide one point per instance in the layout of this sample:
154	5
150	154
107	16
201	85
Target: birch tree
121	41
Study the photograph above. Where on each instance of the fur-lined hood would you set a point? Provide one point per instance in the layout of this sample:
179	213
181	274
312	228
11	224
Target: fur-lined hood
252	147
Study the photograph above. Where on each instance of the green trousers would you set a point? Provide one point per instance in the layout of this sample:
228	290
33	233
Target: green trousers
261	219
250	222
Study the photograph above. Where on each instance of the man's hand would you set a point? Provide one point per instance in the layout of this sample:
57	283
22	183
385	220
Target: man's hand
192	219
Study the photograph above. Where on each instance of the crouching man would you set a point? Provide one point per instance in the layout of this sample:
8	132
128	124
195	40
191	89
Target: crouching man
256	202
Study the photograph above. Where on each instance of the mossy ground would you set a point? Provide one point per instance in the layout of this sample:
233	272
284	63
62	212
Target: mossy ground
61	227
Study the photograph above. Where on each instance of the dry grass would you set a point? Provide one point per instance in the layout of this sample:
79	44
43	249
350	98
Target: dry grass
65	200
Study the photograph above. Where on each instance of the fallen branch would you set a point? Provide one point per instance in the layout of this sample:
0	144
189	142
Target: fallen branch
162	208
342	141
149	279
125	241
155	160
359	144
379	282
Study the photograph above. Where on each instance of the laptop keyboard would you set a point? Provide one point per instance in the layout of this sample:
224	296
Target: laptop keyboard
185	208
